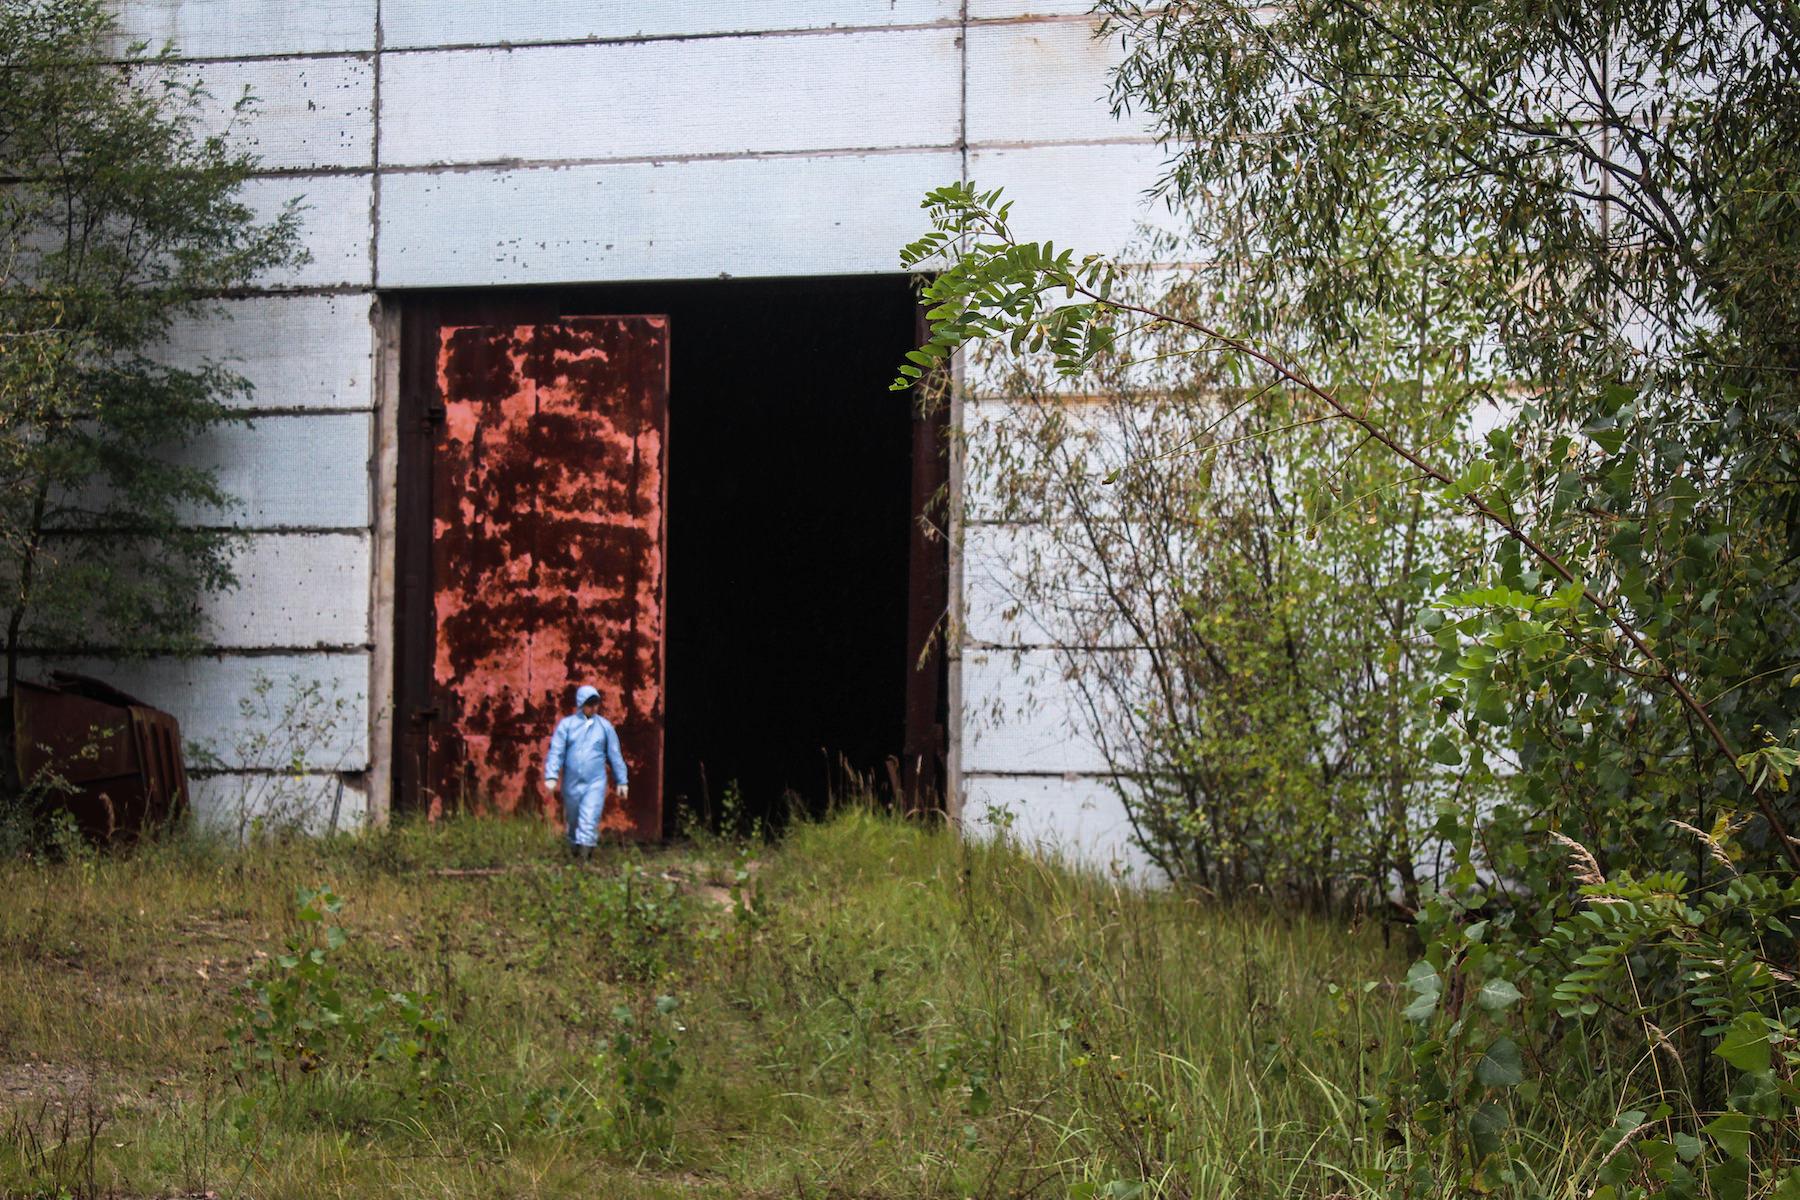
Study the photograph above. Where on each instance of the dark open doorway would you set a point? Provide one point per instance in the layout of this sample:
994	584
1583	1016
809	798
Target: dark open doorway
799	590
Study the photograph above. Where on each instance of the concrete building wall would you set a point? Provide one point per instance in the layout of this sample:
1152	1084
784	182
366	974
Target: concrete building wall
511	142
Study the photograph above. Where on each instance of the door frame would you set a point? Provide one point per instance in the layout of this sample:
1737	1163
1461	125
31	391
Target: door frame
404	612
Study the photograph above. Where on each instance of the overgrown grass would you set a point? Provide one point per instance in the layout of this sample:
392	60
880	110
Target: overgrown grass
879	1010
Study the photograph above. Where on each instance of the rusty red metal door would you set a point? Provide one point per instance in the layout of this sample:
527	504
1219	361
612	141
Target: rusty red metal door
547	496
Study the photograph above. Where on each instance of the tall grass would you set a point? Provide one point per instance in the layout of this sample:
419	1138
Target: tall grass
883	1010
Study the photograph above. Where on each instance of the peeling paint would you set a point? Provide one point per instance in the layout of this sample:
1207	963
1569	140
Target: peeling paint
547	554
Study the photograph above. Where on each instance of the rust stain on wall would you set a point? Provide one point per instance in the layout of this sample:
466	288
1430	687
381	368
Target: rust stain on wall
547	554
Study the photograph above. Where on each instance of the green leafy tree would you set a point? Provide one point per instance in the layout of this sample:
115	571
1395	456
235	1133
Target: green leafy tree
119	214
1231	591
1608	195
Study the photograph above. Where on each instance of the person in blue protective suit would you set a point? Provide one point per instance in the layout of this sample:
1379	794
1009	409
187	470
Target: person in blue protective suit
582	749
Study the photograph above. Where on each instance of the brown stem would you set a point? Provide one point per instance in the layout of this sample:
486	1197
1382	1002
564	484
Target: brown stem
34	538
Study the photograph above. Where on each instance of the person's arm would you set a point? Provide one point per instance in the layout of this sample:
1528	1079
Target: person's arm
615	758
553	762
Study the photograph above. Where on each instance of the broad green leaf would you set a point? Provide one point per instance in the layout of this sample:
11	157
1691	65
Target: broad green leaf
1500	1065
1487	1128
1498	995
1746	1044
1732	1133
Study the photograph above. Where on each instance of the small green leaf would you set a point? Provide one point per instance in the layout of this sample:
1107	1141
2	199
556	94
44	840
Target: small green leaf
1443	750
1609	440
1421	1008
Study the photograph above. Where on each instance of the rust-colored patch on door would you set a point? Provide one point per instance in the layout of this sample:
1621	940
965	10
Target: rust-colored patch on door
547	555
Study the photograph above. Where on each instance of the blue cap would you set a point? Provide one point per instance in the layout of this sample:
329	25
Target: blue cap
584	693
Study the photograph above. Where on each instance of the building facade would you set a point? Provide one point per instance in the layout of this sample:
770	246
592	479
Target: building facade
495	164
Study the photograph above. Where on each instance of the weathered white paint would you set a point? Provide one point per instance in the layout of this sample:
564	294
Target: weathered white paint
411	23
296	590
304	113
298	352
736	95
313	705
289	472
995	10
1003	439
836	215
998	611
253	804
1088	198
243	28
383	575
1042	81
1022	714
335	226
1077	817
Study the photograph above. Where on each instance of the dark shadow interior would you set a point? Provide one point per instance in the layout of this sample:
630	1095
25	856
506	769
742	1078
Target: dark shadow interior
789	473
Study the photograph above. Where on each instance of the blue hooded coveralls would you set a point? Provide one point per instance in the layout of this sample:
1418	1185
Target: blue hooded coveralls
581	749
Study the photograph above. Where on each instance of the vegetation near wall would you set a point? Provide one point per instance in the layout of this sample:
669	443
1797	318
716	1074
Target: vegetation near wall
1233	589
120	213
1597	203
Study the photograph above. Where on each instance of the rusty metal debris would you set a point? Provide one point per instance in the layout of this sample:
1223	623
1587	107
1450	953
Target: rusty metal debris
114	763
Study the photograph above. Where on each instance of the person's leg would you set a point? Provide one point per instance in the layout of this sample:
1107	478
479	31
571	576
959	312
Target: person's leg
571	798
587	824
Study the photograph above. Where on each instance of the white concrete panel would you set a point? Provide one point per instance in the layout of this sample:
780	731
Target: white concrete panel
486	22
1024	712
991	10
241	28
673	99
296	590
334	226
839	215
296	351
303	113
1035	459
308	471
1079	818
1043	81
1025	585
1090	199
250	805
259	711
1049	457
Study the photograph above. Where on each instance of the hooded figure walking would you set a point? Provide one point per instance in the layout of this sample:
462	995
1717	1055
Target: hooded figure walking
583	747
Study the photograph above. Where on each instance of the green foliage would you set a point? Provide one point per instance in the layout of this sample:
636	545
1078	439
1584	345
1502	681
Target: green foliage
299	1014
1596	201
1263	577
645	1068
121	214
633	923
